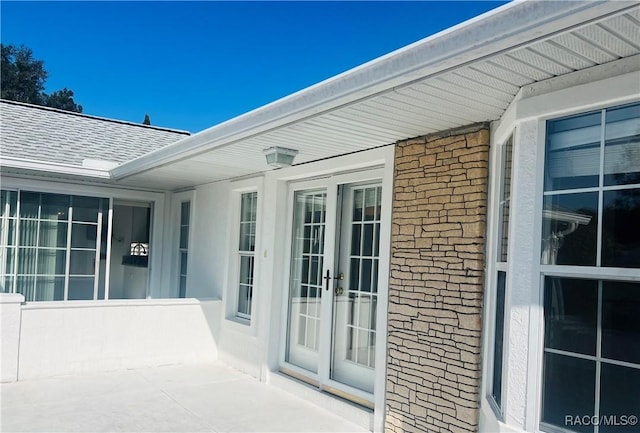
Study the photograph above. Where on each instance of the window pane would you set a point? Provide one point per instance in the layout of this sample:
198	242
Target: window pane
25	285
573	152
355	239
244	300
80	288
29	204
619	396
49	289
85	208
28	233
248	206
183	287
185	212
499	336
83	235
622	146
6	284
621	229
53	234
505	200
246	269
370	204
8	260
184	237
52	262
568	389
8	203
247	236
183	263
54	207
358	203
570	229
621	321
570	313
7	232
82	262
27	261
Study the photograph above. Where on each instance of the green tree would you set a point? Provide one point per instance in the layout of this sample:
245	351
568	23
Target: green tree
63	99
147	120
22	79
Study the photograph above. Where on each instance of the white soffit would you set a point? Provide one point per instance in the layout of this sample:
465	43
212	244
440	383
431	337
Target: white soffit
477	87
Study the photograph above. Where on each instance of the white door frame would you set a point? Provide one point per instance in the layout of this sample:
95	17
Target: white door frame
322	378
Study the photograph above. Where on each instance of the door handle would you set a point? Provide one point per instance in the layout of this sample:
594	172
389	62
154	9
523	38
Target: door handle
327	278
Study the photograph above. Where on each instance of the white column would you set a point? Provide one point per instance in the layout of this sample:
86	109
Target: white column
10	317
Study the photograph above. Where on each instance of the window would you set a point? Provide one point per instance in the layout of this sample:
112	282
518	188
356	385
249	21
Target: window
52	245
501	270
246	252
183	247
591	262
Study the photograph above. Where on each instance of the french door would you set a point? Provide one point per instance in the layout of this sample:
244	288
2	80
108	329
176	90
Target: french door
333	286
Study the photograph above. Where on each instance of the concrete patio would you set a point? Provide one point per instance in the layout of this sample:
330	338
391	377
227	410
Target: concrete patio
203	398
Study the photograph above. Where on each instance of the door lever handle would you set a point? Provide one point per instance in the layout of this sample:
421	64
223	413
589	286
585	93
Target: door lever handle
327	278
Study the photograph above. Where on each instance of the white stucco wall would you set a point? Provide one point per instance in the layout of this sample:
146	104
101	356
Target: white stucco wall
58	338
10	314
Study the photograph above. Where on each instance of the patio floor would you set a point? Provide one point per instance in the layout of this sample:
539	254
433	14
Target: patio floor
205	398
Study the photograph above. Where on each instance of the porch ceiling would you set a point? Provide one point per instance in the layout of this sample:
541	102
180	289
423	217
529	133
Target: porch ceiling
425	87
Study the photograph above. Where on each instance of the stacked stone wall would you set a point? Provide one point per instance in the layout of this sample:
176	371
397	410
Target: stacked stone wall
436	282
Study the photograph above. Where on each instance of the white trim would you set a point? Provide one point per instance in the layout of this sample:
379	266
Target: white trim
513	25
231	280
53	167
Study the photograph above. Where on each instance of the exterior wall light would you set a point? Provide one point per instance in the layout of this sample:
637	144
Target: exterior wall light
279	156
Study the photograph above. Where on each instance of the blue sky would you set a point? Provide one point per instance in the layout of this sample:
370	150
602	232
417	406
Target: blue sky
191	65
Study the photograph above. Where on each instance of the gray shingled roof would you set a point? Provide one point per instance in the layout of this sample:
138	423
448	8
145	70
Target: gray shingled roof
46	134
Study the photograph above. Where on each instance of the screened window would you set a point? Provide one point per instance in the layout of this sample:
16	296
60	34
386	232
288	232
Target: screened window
183	248
246	252
591	209
52	245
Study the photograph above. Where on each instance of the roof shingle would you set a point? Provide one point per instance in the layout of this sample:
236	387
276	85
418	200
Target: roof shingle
46	134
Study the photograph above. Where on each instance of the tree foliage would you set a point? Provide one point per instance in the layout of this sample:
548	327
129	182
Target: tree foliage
22	79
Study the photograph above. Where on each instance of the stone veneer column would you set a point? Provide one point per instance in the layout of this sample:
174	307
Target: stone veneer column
436	281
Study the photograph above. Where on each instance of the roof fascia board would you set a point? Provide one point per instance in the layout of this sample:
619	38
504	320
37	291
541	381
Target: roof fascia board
52	167
504	28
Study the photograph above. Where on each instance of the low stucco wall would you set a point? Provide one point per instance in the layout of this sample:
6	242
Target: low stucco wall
62	338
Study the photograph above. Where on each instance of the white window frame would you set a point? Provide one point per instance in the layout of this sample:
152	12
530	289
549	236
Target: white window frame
157	201
176	222
595	272
524	315
232	280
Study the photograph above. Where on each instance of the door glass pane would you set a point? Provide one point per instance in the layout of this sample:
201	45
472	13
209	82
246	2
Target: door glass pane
496	384
8	203
620	228
82	262
83	235
307	261
80	288
28	233
569	389
570	229
26	286
85	209
355	309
